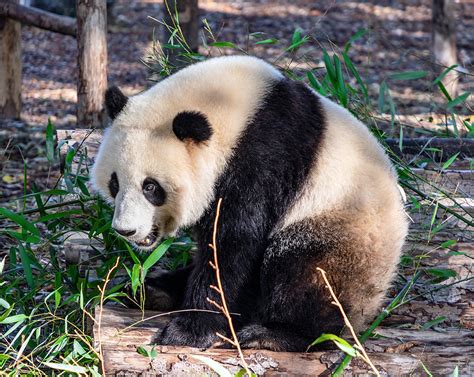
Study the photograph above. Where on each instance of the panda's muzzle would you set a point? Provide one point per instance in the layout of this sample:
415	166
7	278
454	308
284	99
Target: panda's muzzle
149	240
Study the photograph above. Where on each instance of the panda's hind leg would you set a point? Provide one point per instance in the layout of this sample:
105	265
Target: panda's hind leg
296	306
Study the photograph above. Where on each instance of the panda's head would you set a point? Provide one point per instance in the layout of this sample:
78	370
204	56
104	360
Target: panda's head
154	176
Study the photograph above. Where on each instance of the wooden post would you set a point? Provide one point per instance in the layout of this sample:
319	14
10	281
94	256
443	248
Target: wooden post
92	62
10	67
39	18
188	12
444	41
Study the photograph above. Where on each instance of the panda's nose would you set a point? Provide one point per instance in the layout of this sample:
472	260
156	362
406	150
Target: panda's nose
125	232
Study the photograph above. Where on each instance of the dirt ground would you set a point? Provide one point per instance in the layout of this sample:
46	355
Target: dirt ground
399	40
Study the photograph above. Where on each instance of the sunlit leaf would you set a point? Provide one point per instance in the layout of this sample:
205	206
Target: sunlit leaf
449	162
223	44
267	41
67	367
342	344
155	256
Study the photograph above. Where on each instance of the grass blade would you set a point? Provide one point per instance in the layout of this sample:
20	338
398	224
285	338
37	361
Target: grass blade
20	220
409	75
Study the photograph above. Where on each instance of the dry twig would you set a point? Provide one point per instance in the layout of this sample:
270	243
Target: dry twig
358	345
223	308
101	308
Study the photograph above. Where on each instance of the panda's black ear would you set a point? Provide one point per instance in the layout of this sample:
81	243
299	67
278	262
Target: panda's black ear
193	126
115	101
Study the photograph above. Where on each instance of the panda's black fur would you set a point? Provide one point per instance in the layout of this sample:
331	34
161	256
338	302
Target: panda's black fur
268	167
271	168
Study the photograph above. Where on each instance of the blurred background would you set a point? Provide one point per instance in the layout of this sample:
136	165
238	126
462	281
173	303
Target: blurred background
398	38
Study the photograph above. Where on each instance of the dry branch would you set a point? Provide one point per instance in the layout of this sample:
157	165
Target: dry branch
223	308
38	18
348	324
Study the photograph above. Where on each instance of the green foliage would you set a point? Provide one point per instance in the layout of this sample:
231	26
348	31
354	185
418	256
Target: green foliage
342	344
45	307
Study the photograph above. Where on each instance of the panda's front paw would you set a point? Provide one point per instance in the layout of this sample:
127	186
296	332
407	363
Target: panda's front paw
193	330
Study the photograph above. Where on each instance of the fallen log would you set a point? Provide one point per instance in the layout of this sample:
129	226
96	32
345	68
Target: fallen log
38	18
447	146
122	331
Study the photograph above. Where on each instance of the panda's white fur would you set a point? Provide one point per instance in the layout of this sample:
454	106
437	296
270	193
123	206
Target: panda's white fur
351	182
141	142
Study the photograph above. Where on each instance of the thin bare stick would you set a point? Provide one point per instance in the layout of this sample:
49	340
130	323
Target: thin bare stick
169	313
223	307
225	338
336	302
101	309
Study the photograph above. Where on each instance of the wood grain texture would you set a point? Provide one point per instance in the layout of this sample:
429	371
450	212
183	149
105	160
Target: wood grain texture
10	65
122	359
444	41
38	18
92	62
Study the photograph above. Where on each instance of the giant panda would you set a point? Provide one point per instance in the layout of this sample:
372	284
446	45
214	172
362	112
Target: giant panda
303	184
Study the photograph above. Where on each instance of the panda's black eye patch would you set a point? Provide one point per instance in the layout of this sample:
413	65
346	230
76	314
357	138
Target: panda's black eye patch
114	185
153	192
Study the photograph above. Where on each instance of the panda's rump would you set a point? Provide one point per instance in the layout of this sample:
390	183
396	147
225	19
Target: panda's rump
293	291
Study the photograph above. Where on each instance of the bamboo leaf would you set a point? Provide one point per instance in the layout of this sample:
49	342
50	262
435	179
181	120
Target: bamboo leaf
341	86
447	244
155	256
433	322
342	344
359	34
26	263
441	274
458	100
223	44
19	318
50	141
356	75
20	220
267	41
59	215
450	161
409	75
329	68
443	74
67	368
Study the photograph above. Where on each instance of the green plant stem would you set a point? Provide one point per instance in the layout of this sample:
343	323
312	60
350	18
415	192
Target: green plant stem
57	205
447	209
433	290
384	314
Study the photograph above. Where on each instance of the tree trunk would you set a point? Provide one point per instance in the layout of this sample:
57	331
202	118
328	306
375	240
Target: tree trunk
10	68
188	13
444	41
92	62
